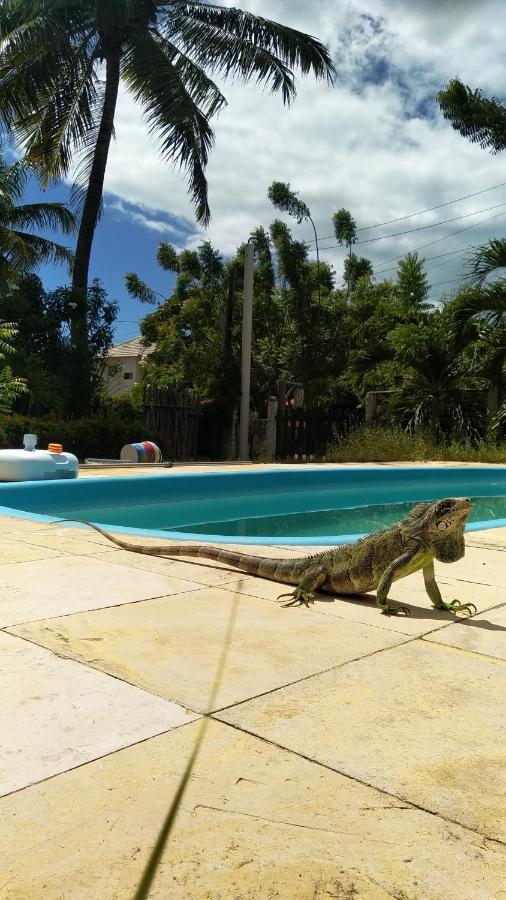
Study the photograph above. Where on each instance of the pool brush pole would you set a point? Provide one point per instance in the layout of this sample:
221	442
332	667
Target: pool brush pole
247	317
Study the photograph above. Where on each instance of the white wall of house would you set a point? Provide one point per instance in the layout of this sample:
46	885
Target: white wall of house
124	374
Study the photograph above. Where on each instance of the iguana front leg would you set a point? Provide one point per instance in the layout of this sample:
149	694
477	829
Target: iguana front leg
435	594
311	580
385	583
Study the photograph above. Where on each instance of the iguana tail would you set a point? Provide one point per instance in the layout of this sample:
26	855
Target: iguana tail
283	570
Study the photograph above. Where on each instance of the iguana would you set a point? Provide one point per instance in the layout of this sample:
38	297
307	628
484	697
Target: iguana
430	531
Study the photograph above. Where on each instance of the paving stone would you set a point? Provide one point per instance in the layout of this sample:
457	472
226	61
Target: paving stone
58	714
15	551
172	645
66	543
485	634
424	618
478	565
56	587
197	571
422	721
256	822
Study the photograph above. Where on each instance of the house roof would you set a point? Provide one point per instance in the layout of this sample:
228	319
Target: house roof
134	347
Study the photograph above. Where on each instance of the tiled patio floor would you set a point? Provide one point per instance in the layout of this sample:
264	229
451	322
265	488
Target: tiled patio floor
349	755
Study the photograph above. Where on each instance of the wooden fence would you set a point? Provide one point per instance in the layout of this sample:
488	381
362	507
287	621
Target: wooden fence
175	415
301	432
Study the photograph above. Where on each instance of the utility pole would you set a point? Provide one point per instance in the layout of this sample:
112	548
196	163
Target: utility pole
247	319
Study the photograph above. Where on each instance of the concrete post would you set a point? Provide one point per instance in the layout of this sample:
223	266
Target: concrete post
247	318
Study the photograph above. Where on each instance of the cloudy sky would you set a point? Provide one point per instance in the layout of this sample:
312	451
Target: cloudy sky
374	143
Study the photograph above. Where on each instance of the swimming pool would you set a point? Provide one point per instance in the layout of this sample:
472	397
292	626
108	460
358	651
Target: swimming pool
292	506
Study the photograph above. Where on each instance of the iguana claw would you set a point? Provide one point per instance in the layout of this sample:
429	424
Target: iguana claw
455	606
299	598
389	610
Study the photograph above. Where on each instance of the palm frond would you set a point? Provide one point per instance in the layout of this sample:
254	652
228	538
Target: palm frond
12	182
487	259
43	215
36	249
234	42
180	127
487	304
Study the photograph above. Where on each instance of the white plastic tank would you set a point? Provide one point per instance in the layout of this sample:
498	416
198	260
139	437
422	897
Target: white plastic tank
37	465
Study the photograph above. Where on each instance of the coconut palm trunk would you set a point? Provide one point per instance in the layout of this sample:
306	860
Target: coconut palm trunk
81	373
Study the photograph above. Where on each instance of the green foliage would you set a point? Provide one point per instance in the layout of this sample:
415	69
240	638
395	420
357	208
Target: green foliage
345	228
41	346
167	257
412	282
356	267
286	200
139	290
10	386
487	259
98	437
441	393
475	117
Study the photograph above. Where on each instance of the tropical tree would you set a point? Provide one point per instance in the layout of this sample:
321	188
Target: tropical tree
286	200
356	267
442	393
41	347
61	63
412	283
21	249
475	117
345	230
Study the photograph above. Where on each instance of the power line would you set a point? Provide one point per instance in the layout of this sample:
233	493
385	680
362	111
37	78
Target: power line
459	250
420	212
445	238
383	237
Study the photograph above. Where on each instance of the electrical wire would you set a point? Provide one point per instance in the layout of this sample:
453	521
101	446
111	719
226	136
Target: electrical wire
384	237
439	240
420	212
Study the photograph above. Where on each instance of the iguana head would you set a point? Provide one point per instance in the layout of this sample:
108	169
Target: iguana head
440	524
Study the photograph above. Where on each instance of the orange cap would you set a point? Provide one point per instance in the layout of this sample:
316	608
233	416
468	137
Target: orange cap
55	448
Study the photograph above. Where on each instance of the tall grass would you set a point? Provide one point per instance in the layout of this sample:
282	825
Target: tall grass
375	444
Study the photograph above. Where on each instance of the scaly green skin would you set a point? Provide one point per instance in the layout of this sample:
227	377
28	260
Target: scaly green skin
430	531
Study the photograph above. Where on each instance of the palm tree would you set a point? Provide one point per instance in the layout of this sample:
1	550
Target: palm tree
22	250
61	63
442	391
488	259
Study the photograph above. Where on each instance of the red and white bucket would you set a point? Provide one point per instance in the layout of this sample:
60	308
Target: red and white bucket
141	452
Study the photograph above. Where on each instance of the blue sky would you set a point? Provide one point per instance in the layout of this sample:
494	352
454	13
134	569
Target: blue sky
120	245
374	143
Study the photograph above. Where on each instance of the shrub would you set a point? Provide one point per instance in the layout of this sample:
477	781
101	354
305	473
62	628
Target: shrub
99	437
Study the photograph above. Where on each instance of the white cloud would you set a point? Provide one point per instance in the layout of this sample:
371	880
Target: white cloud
358	144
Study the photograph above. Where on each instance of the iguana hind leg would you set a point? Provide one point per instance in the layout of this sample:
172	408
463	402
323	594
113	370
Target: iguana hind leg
435	594
303	594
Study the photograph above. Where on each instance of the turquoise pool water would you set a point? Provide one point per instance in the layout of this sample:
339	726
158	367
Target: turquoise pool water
354	520
281	506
